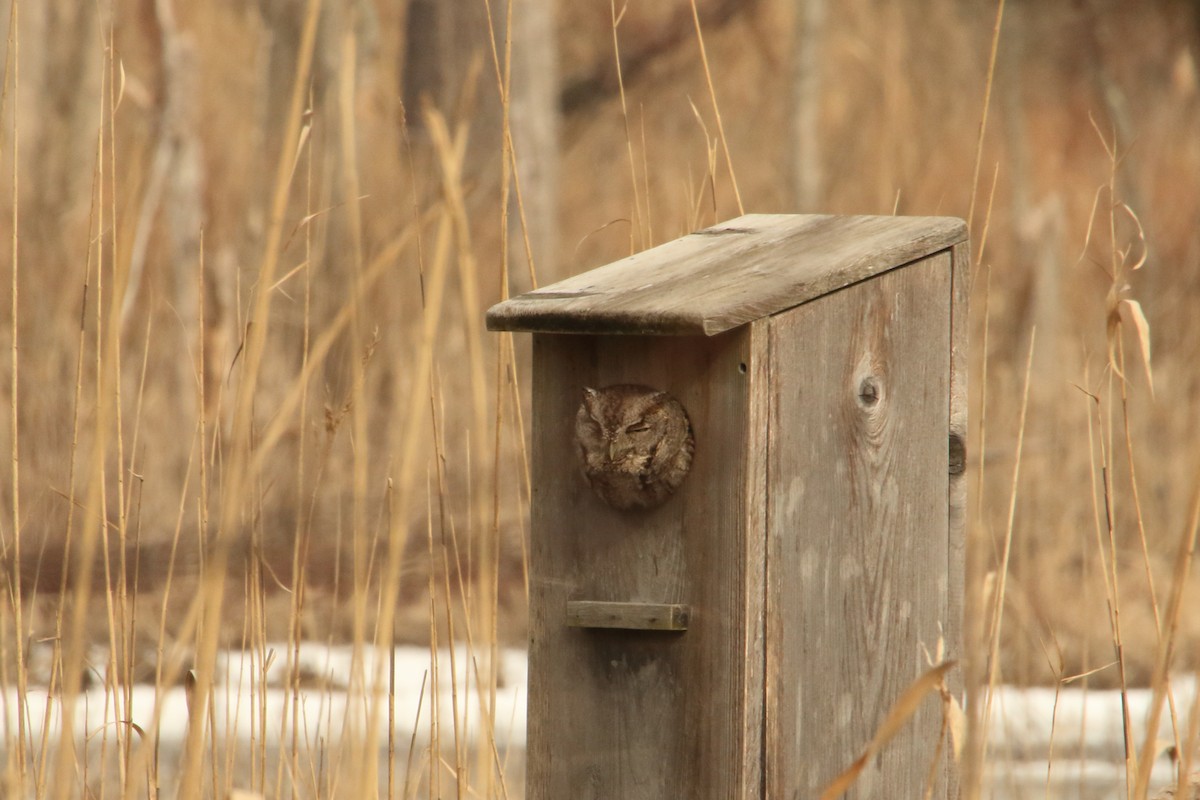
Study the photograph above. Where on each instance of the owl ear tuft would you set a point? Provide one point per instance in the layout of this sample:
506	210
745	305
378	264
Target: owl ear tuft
589	393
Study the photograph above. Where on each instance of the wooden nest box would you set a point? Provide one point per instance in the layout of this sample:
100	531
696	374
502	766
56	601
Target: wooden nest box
735	621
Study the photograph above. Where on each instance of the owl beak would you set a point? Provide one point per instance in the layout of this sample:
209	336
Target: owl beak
612	452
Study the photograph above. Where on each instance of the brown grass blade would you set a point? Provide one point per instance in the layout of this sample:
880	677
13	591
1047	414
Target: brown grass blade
987	100
1131	312
712	96
1167	639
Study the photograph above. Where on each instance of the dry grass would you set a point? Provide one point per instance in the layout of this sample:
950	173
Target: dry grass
251	402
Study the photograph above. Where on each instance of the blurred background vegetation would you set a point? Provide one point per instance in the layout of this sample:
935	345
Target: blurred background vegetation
153	162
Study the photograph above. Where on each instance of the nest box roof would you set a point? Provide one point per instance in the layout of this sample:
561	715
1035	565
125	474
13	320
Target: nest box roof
721	277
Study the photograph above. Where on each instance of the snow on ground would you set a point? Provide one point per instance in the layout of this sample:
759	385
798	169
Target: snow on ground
1037	722
323	700
1042	744
1070	744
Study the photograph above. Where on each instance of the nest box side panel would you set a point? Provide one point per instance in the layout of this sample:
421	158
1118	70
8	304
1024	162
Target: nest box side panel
648	713
858	554
972	667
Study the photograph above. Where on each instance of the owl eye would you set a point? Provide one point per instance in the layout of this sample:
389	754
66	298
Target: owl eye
638	427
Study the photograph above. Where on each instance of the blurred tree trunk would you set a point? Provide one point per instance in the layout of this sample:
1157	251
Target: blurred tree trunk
1042	310
421	72
448	62
808	35
61	72
173	198
534	122
1037	220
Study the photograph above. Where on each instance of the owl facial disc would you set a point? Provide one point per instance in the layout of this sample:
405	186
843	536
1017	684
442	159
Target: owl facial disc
635	444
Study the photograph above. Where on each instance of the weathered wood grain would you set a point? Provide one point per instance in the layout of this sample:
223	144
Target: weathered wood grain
858	555
628	616
754	553
646	714
969	558
725	276
956	542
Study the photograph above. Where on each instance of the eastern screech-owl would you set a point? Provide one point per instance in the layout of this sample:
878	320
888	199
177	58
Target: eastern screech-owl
635	444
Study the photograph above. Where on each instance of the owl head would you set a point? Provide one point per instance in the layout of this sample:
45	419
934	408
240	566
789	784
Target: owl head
635	444
626	424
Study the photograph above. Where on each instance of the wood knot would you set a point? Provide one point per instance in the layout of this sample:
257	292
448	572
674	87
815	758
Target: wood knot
958	454
868	391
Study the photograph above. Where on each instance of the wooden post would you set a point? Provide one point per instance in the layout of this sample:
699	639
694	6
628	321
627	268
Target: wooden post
745	637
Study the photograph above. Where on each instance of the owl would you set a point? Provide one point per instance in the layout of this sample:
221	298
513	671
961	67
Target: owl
635	444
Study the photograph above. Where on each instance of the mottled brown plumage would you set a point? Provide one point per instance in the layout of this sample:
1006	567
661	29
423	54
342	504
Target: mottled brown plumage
635	444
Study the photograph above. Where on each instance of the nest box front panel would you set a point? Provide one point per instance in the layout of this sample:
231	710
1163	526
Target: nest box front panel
859	549
644	452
